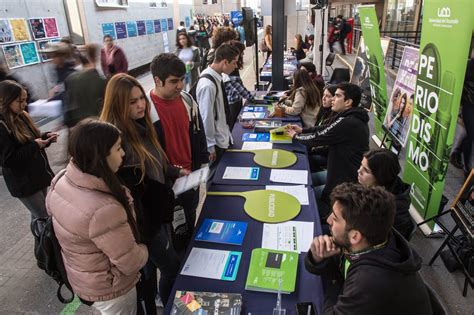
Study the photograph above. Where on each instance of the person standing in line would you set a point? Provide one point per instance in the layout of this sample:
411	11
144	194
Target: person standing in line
146	171
210	94
112	58
94	221
179	127
189	54
23	158
84	89
267	38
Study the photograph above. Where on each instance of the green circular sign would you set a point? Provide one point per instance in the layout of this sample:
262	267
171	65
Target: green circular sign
271	206
274	158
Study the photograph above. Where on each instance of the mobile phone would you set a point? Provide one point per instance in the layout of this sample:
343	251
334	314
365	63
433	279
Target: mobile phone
305	308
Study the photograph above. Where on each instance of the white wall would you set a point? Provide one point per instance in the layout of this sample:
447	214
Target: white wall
222	6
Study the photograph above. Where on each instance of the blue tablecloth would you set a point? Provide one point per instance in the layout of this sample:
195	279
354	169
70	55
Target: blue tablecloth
246	160
308	286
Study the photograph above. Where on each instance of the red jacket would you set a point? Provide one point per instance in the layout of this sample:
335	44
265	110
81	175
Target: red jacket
118	64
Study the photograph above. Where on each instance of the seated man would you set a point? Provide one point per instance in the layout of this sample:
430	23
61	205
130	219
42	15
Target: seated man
366	266
347	139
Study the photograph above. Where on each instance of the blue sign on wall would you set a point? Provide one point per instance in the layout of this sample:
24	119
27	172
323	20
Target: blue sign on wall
236	17
121	30
132	28
187	21
170	24
150	29
157	26
164	25
141	28
108	29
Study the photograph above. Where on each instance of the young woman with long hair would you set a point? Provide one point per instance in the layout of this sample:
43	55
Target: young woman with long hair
380	167
25	166
304	99
300	47
94	221
326	115
268	38
189	54
146	171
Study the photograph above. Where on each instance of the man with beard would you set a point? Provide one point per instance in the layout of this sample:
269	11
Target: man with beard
366	266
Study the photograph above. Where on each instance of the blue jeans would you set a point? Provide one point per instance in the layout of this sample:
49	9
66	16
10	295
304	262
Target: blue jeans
162	256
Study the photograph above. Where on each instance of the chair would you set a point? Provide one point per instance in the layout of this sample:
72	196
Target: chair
329	61
437	305
340	75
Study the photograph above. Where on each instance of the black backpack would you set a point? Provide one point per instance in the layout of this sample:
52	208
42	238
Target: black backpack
192	91
48	255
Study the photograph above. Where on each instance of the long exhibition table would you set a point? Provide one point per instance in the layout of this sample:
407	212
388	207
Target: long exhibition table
308	286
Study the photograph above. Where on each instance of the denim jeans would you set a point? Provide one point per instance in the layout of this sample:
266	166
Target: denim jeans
163	256
36	204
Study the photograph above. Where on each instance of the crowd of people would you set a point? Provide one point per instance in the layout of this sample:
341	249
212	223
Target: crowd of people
112	206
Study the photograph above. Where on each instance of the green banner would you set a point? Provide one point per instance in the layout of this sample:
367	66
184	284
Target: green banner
373	49
444	48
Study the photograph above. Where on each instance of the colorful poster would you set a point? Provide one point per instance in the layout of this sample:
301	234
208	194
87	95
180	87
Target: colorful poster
6	34
141	28
170	24
20	30
13	56
360	75
120	30
373	50
157	25
29	52
132	29
164	25
150	29
37	28
51	27
108	29
444	47
400	108
41	46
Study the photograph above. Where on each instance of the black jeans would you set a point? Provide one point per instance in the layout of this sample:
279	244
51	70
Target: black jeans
189	201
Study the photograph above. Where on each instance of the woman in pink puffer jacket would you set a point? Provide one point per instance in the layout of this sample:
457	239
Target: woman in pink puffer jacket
94	221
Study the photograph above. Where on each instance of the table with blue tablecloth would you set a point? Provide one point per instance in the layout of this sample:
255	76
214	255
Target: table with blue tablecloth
308	286
244	159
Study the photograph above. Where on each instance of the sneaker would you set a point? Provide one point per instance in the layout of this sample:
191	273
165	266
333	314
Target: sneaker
456	160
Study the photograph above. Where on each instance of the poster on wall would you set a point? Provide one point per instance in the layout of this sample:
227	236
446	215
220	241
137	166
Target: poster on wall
131	28
20	30
170	24
29	53
400	108
6	35
150	28
157	24
51	27
108	29
373	50
42	45
164	25
13	56
360	75
121	30
37	28
447	24
166	42
187	21
141	28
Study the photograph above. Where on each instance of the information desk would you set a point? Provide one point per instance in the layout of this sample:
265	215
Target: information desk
245	159
238	131
308	286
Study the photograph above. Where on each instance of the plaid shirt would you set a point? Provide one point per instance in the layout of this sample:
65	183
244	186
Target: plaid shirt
236	90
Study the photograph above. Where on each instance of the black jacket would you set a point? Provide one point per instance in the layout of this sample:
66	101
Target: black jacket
25	166
197	136
384	281
347	138
401	191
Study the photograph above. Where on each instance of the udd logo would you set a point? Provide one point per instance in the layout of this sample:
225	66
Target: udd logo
367	20
444	12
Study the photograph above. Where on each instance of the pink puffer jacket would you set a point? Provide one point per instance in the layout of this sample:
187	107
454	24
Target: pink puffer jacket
101	256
